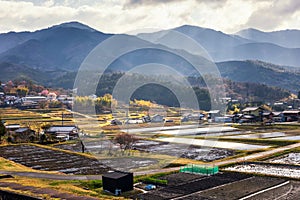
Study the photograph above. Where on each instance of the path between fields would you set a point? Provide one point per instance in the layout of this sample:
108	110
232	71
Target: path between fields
51	176
97	177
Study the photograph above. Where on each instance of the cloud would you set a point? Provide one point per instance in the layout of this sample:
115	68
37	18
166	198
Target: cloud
274	14
147	2
134	3
122	16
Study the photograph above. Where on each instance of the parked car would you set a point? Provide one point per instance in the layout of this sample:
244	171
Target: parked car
150	187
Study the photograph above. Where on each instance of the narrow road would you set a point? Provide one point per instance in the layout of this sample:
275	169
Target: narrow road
51	176
97	177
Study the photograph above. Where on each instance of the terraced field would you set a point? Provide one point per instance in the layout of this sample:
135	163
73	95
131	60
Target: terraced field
52	160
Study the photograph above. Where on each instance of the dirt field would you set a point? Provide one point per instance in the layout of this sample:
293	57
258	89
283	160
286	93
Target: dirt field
238	189
51	160
225	186
191	186
290	191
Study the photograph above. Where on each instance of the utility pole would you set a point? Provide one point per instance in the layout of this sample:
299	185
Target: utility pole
62	119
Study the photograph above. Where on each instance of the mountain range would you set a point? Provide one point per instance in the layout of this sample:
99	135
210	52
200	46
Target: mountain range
49	54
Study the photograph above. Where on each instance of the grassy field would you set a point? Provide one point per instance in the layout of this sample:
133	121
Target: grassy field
12	166
83	188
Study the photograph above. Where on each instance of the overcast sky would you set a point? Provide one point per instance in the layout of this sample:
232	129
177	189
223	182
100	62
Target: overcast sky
119	16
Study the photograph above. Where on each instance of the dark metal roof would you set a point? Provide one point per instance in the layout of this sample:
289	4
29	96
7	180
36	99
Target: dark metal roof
20	130
115	175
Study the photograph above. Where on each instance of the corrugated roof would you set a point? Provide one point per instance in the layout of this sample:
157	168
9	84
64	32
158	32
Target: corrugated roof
291	111
20	130
12	126
250	109
213	111
61	128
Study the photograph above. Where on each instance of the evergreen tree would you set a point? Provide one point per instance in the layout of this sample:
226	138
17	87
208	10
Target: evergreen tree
2	129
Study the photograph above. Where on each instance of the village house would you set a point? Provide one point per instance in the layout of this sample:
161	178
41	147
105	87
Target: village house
278	117
291	115
12	127
24	134
212	114
192	117
134	121
63	132
157	118
253	114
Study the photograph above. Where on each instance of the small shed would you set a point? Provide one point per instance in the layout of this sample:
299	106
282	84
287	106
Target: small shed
157	118
12	127
117	182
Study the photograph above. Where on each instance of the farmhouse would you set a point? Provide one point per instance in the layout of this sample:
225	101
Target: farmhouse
291	115
12	127
256	111
24	134
66	132
157	118
24	131
134	121
212	114
278	117
33	98
253	113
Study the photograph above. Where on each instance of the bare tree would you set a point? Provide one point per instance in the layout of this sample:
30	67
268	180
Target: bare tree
125	140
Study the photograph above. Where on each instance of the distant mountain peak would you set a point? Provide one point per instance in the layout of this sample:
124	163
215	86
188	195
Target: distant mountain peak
190	28
74	24
249	31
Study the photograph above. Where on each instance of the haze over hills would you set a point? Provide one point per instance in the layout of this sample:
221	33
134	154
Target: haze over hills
225	47
59	47
260	72
285	38
49	54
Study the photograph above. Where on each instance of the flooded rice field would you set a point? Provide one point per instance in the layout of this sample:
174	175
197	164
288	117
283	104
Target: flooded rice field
268	169
296	137
213	143
198	131
290	158
257	136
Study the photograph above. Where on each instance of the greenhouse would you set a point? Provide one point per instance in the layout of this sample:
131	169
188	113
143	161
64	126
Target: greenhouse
200	169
